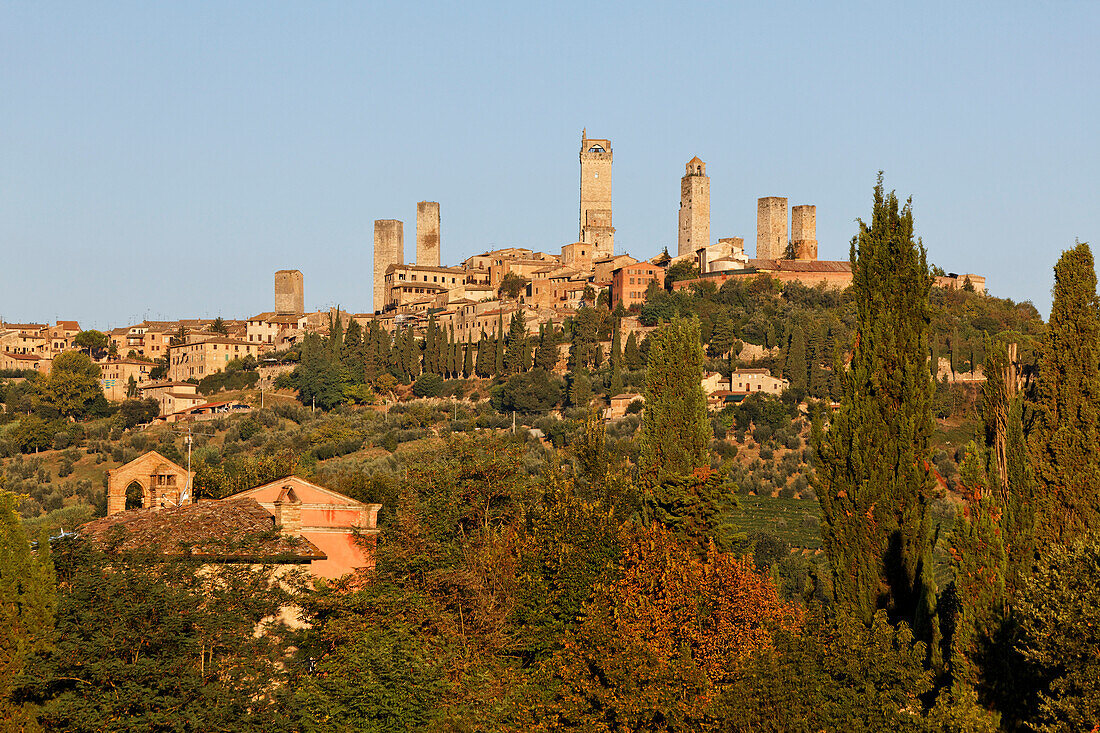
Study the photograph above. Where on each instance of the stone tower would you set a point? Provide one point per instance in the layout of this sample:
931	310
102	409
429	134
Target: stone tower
596	228
771	228
289	293
804	232
694	208
427	233
389	249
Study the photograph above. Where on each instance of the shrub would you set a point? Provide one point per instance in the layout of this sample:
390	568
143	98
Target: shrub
428	385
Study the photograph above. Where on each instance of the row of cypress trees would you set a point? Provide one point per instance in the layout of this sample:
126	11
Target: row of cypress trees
1032	478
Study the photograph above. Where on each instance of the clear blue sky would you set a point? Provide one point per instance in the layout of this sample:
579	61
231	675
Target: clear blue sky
163	160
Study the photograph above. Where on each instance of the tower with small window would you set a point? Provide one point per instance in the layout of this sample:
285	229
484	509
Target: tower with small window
595	215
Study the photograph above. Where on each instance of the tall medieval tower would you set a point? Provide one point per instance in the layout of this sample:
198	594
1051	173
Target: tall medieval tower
804	232
771	228
595	217
389	249
427	233
694	208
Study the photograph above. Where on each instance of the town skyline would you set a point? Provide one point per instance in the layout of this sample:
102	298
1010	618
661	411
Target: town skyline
278	148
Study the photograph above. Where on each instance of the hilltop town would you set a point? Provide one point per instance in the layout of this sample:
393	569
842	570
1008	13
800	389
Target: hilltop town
163	360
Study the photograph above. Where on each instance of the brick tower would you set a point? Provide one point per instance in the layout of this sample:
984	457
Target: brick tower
389	249
694	208
771	228
595	220
804	232
427	233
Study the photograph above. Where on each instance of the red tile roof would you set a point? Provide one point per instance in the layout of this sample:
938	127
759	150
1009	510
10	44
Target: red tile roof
237	530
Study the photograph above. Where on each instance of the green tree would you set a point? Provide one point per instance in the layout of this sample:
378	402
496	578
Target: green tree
512	285
72	388
631	355
92	341
160	647
615	381
675	429
796	368
218	326
1065	440
580	388
515	345
467	361
1058	613
872	475
27	607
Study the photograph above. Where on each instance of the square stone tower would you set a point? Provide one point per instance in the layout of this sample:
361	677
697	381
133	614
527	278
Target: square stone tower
771	228
289	293
427	233
595	220
694	208
804	232
389	249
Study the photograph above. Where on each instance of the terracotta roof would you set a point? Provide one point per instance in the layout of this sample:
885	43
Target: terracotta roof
802	265
229	530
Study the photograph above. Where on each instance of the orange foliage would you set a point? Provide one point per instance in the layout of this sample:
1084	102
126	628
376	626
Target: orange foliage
719	609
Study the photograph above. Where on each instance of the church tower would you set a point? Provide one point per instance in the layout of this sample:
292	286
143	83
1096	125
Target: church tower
694	208
595	219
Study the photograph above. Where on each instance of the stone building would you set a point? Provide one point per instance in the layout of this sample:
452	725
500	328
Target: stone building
198	359
389	249
289	293
771	228
341	527
595	214
427	234
150	481
694	231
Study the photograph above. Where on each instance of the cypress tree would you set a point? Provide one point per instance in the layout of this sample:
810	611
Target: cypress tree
675	430
467	361
484	356
498	347
1065	441
632	356
516	345
873	475
1007	464
615	383
796	369
580	388
28	603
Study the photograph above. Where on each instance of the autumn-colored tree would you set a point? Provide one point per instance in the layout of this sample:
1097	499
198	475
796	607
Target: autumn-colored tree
659	645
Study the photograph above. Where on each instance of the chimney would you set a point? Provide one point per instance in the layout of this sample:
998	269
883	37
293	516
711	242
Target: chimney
288	513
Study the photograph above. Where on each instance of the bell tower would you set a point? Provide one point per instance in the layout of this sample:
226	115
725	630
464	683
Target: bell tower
595	218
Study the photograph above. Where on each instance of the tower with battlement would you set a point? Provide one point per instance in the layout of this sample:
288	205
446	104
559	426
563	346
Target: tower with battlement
694	229
771	228
595	217
427	233
289	293
389	249
804	232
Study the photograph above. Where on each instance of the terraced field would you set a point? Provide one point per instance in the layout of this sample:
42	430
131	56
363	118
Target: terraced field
795	521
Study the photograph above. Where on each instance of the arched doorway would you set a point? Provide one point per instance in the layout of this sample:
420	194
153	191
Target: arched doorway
135	496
